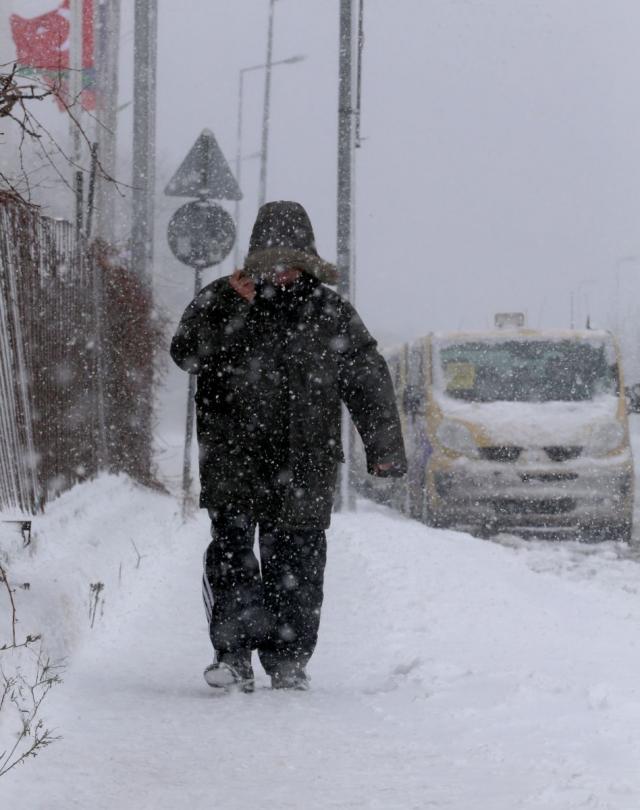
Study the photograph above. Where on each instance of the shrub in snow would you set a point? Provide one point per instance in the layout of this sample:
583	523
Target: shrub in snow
26	677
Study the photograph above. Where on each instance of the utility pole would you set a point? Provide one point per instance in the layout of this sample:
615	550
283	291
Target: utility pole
345	500
107	41
143	179
291	60
236	209
75	104
106	26
144	136
76	75
262	193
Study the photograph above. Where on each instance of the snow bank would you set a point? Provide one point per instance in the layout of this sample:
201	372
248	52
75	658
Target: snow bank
451	673
82	558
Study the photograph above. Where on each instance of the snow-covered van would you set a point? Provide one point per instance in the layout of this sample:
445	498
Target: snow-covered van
528	430
515	429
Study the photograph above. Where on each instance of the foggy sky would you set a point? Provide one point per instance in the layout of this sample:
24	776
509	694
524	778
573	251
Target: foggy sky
501	162
502	154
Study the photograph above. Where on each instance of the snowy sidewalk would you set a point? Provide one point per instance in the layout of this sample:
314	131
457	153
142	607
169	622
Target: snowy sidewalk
451	673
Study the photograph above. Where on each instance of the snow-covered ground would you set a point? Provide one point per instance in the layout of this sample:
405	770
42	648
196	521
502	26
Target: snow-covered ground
451	672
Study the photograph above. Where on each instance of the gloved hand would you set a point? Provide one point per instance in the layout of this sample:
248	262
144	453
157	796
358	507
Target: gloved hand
387	469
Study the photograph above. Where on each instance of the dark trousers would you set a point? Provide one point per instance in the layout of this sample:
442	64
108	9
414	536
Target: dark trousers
276	609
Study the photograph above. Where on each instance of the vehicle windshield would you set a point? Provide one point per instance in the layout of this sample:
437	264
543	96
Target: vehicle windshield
528	370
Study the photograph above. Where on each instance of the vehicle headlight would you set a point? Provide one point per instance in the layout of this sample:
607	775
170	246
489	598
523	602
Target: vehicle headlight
457	437
604	439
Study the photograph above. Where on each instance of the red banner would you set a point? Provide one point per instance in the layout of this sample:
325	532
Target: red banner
42	46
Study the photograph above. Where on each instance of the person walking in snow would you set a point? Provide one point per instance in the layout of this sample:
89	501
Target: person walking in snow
275	352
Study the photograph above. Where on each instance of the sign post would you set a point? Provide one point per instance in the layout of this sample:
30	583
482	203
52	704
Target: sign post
201	234
188	433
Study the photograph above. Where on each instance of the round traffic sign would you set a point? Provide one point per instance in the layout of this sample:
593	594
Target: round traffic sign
201	234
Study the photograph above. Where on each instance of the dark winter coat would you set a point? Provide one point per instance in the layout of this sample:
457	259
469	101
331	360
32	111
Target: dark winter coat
270	382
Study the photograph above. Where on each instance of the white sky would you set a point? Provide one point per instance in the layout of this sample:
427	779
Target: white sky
502	158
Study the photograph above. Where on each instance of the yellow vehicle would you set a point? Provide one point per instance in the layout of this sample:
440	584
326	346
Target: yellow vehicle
516	430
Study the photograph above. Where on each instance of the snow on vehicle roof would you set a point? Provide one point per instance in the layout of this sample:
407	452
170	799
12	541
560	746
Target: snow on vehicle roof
598	336
525	334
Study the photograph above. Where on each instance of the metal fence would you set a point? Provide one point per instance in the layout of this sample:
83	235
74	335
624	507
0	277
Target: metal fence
76	361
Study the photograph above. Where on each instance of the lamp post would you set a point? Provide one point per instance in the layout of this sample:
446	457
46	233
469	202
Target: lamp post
262	193
575	299
144	137
617	268
292	60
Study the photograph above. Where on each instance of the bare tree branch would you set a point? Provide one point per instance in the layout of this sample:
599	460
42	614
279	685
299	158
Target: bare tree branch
17	97
3	578
25	692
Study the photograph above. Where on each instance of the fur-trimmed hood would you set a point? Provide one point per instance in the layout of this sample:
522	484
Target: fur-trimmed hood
261	261
283	236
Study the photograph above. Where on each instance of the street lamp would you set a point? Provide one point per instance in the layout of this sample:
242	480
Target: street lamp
262	193
575	293
292	60
617	268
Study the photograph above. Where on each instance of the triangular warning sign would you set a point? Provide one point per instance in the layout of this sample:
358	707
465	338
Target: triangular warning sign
204	173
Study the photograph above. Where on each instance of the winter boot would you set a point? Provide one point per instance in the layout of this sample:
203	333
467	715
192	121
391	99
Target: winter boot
231	670
289	675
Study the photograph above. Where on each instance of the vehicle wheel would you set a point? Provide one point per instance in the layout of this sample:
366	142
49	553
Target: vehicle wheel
486	531
614	532
624	532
